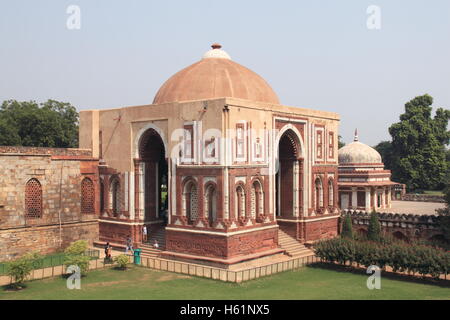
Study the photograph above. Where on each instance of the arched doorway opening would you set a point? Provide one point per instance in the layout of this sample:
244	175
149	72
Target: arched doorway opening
289	176
400	236
155	174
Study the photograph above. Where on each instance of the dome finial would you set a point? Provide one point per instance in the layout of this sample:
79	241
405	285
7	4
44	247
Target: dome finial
216	52
356	135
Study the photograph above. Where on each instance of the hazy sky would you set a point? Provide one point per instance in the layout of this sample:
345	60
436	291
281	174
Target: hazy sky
315	54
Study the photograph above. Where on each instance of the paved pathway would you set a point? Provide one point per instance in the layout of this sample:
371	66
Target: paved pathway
414	207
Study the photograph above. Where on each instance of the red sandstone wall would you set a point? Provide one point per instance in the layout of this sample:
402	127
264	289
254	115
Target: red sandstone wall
216	246
45	239
322	229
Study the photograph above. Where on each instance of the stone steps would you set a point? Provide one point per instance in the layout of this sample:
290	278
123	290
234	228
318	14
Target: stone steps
293	248
148	249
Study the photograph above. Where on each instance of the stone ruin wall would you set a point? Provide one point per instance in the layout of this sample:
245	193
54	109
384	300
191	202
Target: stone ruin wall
406	227
55	229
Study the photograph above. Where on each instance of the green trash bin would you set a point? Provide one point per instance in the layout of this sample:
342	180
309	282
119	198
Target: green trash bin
137	256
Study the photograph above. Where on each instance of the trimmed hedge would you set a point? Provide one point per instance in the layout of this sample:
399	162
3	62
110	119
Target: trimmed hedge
400	257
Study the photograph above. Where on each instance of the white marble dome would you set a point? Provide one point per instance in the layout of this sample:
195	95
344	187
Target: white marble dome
358	153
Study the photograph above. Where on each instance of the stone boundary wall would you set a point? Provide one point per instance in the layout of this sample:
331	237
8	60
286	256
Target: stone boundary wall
15	242
184	268
411	226
423	198
45	151
395	218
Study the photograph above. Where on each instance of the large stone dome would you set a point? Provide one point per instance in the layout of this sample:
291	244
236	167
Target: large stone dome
215	76
358	153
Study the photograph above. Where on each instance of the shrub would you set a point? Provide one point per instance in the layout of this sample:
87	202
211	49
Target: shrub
21	268
347	230
374	229
75	255
81	261
400	256
122	261
77	248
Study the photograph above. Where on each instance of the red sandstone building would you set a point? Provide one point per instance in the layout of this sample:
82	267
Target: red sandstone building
230	165
215	167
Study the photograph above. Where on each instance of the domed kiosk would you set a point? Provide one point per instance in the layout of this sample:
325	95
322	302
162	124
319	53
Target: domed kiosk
216	169
363	182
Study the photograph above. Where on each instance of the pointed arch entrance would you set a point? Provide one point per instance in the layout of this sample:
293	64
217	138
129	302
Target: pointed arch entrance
154	174
289	177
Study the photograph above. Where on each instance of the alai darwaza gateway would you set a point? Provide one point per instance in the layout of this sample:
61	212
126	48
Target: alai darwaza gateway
215	166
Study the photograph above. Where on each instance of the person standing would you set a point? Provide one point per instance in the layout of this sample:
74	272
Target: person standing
129	245
144	233
108	252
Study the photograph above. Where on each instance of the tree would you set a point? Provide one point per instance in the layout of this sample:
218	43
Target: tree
341	143
374	229
384	148
444	215
347	230
50	124
418	145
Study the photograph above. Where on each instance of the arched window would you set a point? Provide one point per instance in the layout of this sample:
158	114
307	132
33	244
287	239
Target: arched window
318	194
211	203
330	193
257	200
33	199
190	201
240	202
87	196
115	196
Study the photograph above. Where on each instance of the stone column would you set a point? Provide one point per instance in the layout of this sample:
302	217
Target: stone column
375	202
389	196
367	199
354	198
383	198
295	186
139	190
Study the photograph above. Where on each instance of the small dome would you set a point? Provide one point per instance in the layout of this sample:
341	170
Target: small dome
215	76
358	153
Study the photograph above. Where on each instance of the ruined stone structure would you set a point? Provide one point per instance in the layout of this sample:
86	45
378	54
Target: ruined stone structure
48	198
226	162
363	182
405	227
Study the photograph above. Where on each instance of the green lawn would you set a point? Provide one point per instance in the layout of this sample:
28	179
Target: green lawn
305	283
433	192
50	260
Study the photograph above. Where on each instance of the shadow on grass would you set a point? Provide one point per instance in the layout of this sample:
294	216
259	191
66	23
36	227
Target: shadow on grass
13	287
386	274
